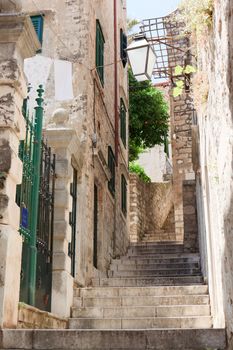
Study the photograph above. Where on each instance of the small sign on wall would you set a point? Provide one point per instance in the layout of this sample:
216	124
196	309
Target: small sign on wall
24	218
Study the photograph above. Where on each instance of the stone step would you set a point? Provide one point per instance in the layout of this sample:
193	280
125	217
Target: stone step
142	301
147	281
160	232
141	323
161	266
156	245
155	250
147	261
159	256
141	311
159	273
106	292
157	339
160	237
154	239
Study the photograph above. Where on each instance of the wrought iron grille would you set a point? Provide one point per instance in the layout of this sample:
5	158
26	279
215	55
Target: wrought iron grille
35	197
24	191
164	33
46	200
44	241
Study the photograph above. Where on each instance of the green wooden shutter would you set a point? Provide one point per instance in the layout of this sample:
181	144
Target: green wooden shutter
166	145
38	24
123	122
123	195
123	41
100	52
111	165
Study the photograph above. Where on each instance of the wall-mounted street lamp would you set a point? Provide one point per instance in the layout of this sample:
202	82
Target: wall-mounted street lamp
142	57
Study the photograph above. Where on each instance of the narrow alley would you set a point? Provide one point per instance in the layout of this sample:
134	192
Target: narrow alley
116	168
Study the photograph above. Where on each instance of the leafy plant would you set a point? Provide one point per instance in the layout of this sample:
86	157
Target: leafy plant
139	170
180	84
197	15
134	150
148	116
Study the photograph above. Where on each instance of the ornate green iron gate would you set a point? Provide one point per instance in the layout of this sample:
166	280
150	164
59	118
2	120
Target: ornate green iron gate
44	239
35	198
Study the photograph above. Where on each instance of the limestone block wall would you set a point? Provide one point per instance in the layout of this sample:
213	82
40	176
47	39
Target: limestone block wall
30	317
182	112
150	206
17	41
190	216
216	162
70	34
137	208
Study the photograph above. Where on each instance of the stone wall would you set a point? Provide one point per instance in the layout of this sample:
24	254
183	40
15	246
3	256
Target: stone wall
17	41
91	114
181	129
150	206
190	216
138	210
30	317
215	116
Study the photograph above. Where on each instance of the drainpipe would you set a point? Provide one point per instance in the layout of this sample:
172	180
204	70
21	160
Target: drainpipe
116	83
116	117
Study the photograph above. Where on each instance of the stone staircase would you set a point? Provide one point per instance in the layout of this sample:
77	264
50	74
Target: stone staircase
153	299
159	235
156	290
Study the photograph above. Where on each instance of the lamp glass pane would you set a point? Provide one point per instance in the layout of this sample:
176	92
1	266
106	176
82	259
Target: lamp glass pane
151	61
137	59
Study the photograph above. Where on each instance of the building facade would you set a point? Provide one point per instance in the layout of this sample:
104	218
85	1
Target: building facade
82	67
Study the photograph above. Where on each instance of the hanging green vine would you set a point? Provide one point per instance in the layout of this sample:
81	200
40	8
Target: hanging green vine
180	83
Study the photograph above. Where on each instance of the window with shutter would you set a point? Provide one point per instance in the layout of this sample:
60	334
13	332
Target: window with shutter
123	37
166	145
111	166
123	122
100	52
38	24
123	195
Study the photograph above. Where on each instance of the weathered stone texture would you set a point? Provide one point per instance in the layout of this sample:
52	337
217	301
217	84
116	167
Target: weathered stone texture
150	206
17	41
31	318
91	113
181	133
216	159
190	217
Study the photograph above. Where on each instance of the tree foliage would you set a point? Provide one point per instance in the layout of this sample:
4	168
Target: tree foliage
148	116
139	170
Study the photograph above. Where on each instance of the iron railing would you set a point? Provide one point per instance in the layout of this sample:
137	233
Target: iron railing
37	185
44	238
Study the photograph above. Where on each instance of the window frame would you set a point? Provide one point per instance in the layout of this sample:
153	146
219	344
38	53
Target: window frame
124	193
112	168
38	24
123	122
99	57
123	47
